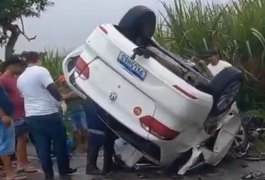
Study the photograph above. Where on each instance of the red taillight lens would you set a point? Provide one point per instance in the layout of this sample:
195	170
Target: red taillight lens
82	68
158	129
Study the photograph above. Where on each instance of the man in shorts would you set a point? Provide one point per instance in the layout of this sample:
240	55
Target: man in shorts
7	135
13	67
76	113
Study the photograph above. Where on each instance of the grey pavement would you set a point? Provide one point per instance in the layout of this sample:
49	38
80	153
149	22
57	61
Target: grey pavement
229	169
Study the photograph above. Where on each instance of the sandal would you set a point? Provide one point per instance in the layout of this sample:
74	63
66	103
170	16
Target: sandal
28	169
17	177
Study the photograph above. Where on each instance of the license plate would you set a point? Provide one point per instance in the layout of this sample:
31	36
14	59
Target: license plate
131	66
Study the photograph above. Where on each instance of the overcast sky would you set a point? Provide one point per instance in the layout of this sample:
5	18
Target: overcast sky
67	24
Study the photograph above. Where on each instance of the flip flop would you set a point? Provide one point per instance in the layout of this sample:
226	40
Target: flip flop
28	169
17	177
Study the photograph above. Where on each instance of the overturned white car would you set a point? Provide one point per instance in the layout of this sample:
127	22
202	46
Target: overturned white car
162	106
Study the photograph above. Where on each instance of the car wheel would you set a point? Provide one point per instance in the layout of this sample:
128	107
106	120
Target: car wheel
139	21
224	88
240	145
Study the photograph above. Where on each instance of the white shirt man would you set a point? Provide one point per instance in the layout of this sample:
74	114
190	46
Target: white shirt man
216	68
38	100
41	101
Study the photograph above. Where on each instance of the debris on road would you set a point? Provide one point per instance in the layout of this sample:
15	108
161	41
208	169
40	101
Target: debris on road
254	175
141	176
255	130
244	165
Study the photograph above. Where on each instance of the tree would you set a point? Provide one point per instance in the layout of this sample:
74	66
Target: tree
11	13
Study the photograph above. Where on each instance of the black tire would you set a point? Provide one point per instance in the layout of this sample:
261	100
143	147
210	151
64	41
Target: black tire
225	87
139	21
241	145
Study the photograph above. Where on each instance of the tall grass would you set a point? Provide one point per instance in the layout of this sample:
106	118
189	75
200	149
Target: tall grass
236	29
52	60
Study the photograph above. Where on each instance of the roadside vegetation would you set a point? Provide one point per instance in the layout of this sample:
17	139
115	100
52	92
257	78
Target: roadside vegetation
236	29
52	60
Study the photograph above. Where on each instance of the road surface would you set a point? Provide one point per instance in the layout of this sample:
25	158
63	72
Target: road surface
229	169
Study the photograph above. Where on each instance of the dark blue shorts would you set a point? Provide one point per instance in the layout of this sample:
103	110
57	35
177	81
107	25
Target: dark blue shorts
78	119
20	127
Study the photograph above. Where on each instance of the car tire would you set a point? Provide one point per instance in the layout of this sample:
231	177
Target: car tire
225	87
140	21
241	145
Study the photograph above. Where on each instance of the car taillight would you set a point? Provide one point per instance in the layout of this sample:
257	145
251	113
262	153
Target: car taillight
152	125
82	68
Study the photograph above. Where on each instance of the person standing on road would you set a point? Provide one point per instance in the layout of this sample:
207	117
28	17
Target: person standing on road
76	113
7	135
42	104
13	67
95	138
100	135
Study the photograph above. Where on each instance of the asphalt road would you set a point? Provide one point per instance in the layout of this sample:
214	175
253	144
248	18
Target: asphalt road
229	169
